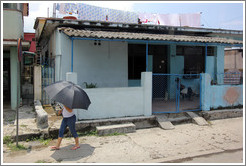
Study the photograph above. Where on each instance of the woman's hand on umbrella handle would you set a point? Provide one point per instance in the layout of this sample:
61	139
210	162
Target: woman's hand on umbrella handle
59	112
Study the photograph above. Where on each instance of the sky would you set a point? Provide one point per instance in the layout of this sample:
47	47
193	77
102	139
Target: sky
216	15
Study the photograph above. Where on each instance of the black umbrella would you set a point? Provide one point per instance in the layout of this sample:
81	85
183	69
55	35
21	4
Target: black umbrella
69	94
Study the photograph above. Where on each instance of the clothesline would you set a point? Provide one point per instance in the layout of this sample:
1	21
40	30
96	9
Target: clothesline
94	13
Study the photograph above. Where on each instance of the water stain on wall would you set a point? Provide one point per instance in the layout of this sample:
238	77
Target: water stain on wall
231	95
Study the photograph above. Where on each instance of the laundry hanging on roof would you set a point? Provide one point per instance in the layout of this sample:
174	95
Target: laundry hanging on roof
191	20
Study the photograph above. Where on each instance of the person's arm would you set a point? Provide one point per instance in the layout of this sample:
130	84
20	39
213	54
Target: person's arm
68	109
59	112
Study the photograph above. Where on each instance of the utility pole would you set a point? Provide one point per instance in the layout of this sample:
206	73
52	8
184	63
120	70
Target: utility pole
48	12
19	56
17	110
54	10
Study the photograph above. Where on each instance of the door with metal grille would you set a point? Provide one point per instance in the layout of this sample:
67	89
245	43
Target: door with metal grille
174	93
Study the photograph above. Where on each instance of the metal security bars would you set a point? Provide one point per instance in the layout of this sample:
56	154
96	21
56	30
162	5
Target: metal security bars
174	93
228	78
47	79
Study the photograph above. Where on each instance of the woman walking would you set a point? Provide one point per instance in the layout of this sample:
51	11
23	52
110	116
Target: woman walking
69	120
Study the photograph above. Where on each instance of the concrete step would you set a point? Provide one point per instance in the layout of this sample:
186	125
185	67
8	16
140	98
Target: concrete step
164	123
118	128
222	114
197	119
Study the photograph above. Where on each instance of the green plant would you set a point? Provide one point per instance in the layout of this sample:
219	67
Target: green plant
11	119
41	140
91	85
45	141
7	140
13	147
87	133
42	161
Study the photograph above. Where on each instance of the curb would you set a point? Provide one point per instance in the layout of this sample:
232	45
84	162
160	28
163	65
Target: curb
140	122
221	114
187	158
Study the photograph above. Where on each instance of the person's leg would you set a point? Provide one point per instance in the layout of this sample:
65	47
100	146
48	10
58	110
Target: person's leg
77	141
61	133
71	125
58	142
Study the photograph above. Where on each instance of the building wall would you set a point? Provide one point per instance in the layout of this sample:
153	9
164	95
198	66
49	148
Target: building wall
216	96
12	30
105	65
39	28
117	102
30	37
113	102
226	95
12	24
210	65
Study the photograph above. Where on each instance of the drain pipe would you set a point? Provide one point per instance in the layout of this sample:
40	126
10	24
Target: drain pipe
147	52
72	56
206	52
58	55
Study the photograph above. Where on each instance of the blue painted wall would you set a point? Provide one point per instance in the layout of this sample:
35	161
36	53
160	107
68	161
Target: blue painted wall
210	69
215	96
220	63
226	95
205	91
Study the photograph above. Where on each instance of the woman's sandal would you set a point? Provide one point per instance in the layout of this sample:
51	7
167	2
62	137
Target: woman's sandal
75	147
54	148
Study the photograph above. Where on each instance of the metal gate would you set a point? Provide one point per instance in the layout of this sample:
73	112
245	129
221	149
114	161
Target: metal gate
174	93
47	78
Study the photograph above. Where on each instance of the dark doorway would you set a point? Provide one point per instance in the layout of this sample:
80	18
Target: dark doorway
136	61
159	65
159	53
6	79
27	90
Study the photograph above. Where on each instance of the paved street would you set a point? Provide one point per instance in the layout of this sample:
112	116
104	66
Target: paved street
235	156
153	145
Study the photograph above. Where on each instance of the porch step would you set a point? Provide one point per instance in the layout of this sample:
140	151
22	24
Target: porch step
119	128
197	119
164	123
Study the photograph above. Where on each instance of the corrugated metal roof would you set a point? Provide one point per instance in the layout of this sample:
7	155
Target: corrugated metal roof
144	36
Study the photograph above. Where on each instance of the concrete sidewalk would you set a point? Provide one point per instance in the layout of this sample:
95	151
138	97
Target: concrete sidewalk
28	126
151	145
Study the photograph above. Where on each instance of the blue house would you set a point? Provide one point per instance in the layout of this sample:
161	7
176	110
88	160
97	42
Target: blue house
138	70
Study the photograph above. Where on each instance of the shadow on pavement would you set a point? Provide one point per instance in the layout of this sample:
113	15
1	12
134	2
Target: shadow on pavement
65	153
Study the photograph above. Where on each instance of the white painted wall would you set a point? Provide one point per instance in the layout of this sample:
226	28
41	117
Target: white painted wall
105	65
37	79
12	24
65	56
117	102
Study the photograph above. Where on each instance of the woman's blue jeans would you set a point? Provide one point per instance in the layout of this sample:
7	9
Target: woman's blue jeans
70	122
